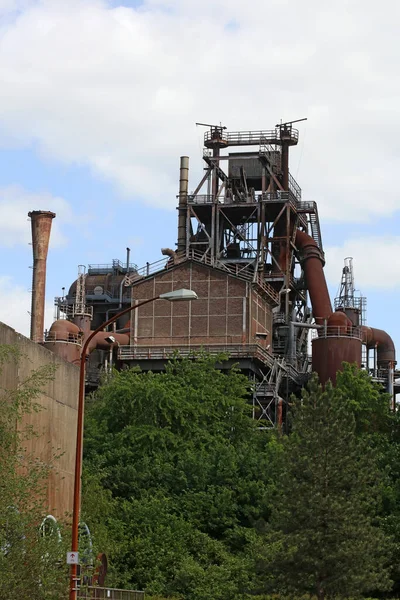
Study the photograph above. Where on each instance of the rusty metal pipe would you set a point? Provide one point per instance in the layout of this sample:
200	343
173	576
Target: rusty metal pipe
378	338
99	340
41	221
182	207
312	260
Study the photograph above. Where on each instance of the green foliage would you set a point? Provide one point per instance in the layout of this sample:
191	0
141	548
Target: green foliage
29	563
191	501
324	538
364	399
185	473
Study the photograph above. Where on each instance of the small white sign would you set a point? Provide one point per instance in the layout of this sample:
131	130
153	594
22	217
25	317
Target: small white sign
72	558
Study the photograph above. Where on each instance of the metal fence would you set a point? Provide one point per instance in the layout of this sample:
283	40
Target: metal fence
100	593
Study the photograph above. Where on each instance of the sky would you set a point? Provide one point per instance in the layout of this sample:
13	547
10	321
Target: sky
100	99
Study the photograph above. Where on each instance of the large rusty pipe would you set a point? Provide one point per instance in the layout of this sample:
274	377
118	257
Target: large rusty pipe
182	207
100	342
379	339
312	260
385	356
41	221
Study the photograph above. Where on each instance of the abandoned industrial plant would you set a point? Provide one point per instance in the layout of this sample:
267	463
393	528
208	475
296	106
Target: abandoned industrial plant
252	250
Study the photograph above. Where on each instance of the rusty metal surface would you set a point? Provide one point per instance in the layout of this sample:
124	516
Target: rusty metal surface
313	262
183	195
41	227
378	338
329	353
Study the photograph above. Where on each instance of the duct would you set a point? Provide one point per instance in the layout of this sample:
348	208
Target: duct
41	221
312	260
99	341
182	208
379	339
169	252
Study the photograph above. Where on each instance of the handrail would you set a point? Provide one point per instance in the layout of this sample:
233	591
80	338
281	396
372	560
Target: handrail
164	352
69	311
63	336
246	273
101	593
340	331
110	267
250	138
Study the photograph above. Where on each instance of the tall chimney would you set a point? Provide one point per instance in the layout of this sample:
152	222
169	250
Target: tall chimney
183	198
41	227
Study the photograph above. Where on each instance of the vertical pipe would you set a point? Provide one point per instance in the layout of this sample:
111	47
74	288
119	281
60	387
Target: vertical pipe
41	221
183	194
212	237
244	320
285	166
128	254
215	174
279	413
390	385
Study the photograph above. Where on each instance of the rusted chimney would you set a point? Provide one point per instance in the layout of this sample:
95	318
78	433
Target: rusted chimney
183	199
41	227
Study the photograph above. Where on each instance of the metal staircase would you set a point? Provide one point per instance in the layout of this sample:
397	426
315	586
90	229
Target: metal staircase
311	210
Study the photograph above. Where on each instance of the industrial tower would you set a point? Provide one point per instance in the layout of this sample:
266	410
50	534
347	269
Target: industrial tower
251	249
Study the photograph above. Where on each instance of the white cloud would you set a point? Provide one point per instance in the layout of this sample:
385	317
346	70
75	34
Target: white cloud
15	302
374	260
119	90
16	202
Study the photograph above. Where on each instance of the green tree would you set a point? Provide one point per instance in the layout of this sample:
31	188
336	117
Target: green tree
29	562
324	539
185	475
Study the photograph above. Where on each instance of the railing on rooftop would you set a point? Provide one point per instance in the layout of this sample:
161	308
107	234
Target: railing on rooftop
340	331
245	272
164	352
251	138
116	266
64	337
293	195
69	311
100	593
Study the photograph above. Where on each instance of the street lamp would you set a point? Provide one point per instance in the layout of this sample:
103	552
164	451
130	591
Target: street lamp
174	296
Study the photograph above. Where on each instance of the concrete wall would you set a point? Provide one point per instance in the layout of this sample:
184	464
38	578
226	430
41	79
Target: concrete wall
56	422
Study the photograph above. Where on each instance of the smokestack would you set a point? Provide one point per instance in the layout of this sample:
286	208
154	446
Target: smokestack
41	227
182	208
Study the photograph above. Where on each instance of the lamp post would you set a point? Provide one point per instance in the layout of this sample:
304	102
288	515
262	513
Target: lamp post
174	296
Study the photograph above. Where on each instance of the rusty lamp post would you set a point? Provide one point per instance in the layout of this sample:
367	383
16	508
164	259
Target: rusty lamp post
174	296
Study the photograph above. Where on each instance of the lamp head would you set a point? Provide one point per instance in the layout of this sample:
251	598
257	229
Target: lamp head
179	295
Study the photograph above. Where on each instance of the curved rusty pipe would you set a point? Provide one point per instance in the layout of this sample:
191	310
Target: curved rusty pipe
99	340
379	339
169	252
312	260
